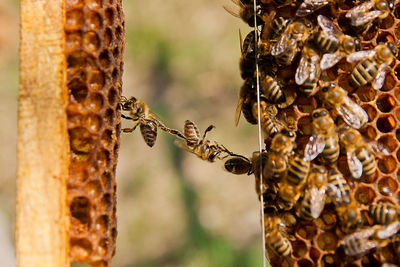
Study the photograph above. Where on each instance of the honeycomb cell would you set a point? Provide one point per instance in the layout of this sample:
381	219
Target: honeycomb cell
389	83
108	36
370	179
397	73
93	122
305	126
398	135
81	248
80	210
100	264
115	75
385	37
95	102
118	32
109	16
103	246
369	132
307	230
80	140
105	203
366	93
387	22
78	90
299	249
387	143
114	233
386	123
80	175
315	254
73	41
385	103
115	150
109	116
78	59
95	4
387	186
365	195
93	20
116	52
91	42
95	79
343	80
94	189
104	59
327	241
370	34
71	4
112	96
327	220
397	12
387	164
106	138
371	111
330	260
103	158
74	20
305	263
106	179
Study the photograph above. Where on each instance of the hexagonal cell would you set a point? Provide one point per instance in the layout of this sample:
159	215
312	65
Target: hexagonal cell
103	158
101	224
78	90
369	179
387	143
80	210
73	41
385	103
369	132
315	254
397	12
93	122
114	234
299	249
307	230
80	140
81	248
106	179
327	220
91	42
78	59
109	116
95	79
102	247
105	59
95	102
365	195
304	125
108	36
330	260
385	37
74	20
305	263
112	96
387	22
366	93
106	138
119	32
94	189
389	83
105	203
387	164
93	20
371	111
109	16
398	135
115	75
386	123
327	241
387	186
74	4
95	4
116	53
79	175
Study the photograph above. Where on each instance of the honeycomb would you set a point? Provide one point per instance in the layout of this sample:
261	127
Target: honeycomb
317	242
95	38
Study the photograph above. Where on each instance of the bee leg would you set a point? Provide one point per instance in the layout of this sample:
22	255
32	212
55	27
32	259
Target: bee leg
172	131
209	128
129	130
126	117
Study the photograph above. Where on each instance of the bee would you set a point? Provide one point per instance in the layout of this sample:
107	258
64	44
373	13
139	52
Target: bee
346	207
200	146
147	120
271	89
364	14
372	65
246	11
325	138
275	238
247	96
269	124
384	213
282	145
359	242
248	55
310	6
295	179
332	41
308	71
287	44
336	97
314	199
359	155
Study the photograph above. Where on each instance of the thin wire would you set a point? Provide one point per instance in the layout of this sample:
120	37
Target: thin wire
264	254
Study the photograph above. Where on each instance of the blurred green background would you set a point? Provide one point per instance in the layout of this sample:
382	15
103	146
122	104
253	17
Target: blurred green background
181	59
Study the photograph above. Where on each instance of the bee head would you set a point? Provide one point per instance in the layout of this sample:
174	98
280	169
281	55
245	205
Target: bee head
392	48
327	87
357	43
319	113
126	104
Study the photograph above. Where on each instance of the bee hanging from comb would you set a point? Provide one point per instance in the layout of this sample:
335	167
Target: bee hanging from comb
148	122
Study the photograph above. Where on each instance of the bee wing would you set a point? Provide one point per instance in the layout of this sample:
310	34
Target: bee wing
360	55
309	6
238	110
380	76
365	18
355	165
181	144
308	68
283	44
234	12
317	201
358	10
352	114
330	59
388	231
328	26
314	147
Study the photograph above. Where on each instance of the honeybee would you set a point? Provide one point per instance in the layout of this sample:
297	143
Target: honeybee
294	35
245	102
359	242
384	213
346	207
200	146
365	13
248	55
245	12
295	179
325	139
271	89
336	97
308	71
332	41
372	65
310	6
359	155
314	199
282	145
275	238
269	124
147	120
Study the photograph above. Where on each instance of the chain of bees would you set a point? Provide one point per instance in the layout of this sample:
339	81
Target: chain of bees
296	177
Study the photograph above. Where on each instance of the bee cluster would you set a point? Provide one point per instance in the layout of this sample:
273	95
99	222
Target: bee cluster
328	114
